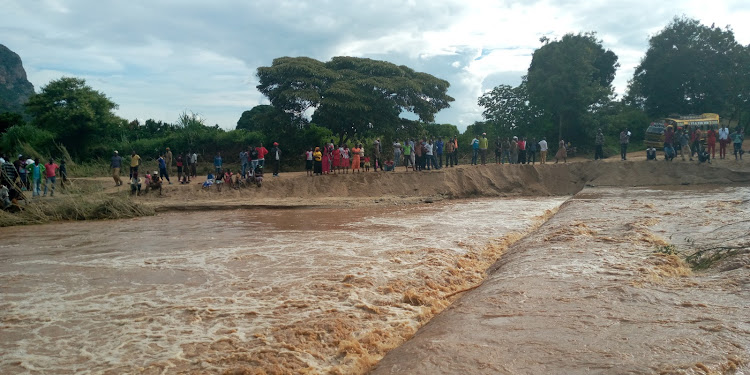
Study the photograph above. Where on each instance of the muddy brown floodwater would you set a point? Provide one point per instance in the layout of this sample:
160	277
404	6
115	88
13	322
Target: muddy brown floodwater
276	291
598	289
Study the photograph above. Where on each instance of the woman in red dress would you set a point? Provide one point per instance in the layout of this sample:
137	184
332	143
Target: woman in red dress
337	160
327	156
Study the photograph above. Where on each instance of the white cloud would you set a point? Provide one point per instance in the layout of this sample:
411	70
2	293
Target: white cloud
158	59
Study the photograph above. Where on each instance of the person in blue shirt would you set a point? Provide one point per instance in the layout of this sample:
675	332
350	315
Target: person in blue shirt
474	150
163	169
439	151
217	162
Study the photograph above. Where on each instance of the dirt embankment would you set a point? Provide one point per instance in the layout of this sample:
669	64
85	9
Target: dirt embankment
296	189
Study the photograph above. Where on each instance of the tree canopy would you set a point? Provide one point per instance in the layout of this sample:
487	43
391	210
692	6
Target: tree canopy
691	68
73	112
569	76
351	95
509	109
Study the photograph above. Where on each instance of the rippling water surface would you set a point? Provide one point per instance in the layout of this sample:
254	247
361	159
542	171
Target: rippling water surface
207	291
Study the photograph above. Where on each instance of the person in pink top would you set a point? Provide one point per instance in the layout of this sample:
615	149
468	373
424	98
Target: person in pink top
50	175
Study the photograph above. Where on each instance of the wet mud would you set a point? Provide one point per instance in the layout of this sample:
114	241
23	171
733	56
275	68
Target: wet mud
243	291
604	288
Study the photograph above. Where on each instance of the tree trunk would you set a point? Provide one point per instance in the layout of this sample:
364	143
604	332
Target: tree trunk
560	118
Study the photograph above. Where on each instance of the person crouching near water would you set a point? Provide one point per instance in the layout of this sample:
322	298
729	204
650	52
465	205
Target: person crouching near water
219	180
153	182
135	183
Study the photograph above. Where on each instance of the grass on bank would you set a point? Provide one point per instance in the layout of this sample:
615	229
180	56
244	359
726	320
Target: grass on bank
75	206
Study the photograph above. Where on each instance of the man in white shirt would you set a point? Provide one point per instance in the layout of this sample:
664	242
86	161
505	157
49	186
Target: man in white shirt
428	156
543	151
194	164
723	141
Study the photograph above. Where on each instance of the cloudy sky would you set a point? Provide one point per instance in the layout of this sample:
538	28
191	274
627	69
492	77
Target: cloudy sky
159	58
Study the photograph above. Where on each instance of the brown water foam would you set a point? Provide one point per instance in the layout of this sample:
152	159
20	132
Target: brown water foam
589	292
279	291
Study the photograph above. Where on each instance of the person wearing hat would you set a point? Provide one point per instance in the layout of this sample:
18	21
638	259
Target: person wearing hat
483	146
115	166
514	150
276	156
35	170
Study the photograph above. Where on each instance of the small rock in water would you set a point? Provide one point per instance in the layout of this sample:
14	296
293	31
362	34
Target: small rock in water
429	200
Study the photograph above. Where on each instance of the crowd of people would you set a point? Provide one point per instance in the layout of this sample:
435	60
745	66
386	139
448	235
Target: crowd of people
689	144
252	160
425	154
27	174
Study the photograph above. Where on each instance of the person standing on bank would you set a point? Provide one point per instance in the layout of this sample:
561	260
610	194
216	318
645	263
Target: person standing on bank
684	140
562	152
483	146
624	140
543	151
723	141
262	152
276	156
115	166
474	150
50	175
711	142
531	151
376	155
35	172
439	145
168	159
599	143
135	162
396	153
218	162
163	169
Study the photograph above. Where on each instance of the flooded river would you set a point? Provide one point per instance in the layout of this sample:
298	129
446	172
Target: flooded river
603	287
324	290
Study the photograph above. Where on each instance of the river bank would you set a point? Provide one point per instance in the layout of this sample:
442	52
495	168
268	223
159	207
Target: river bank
95	198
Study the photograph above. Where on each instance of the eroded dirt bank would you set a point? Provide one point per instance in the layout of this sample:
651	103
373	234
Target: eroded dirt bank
492	180
589	293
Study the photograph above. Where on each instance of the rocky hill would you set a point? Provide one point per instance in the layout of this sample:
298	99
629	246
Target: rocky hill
15	89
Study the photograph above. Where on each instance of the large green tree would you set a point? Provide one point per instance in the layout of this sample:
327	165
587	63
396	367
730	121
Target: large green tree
571	76
691	68
352	96
77	115
510	111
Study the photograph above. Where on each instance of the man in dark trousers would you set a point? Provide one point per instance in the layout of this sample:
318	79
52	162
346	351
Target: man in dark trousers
276	158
